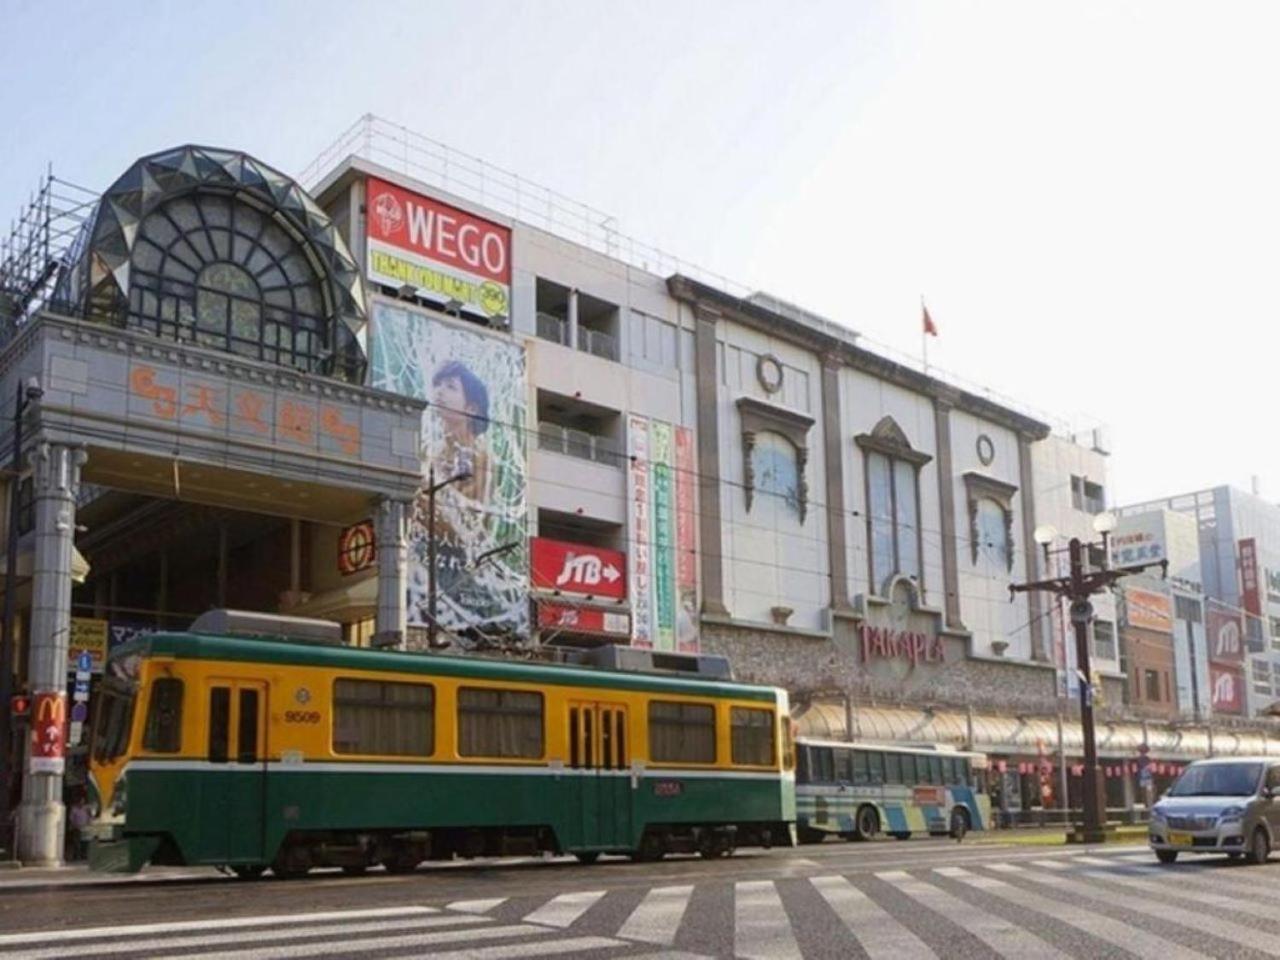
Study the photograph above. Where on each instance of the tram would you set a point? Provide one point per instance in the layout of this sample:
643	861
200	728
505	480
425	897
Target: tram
250	743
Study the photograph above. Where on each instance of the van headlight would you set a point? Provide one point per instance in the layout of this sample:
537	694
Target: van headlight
1157	815
1230	814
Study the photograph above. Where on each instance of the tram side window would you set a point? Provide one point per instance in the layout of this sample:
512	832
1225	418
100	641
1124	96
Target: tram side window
247	735
499	723
752	736
893	768
163	731
219	723
382	718
682	732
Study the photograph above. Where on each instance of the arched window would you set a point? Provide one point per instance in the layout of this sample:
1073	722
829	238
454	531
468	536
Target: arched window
894	538
992	528
775	470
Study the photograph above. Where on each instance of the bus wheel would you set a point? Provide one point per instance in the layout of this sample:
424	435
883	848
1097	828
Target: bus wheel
250	871
959	824
901	834
588	856
867	825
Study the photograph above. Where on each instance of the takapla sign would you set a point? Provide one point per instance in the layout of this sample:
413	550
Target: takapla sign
901	630
885	643
443	252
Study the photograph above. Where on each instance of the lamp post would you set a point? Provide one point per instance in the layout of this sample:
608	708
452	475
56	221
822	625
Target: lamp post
433	627
1077	587
28	393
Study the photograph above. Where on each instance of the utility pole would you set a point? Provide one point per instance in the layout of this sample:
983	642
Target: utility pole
1077	587
433	627
28	392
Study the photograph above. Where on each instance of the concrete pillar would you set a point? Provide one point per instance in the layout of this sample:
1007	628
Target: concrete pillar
834	447
1035	602
57	480
573	319
947	512
710	533
391	617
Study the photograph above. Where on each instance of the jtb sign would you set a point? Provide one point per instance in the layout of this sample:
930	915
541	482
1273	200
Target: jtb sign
578	569
48	732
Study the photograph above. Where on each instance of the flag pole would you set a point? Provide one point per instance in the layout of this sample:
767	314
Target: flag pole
924	337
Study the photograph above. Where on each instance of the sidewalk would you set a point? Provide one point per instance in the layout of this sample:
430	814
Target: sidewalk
1054	836
78	874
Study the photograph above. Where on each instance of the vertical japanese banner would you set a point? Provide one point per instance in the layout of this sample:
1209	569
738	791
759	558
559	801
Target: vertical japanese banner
686	546
662	453
638	493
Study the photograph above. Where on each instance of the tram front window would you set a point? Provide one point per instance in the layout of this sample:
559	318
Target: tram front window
113	719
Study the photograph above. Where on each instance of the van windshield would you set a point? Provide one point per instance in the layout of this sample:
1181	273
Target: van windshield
1218	780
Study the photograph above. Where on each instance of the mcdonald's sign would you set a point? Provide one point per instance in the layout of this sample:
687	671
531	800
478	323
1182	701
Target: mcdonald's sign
48	731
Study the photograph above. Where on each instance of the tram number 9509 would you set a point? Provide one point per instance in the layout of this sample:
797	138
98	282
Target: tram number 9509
302	716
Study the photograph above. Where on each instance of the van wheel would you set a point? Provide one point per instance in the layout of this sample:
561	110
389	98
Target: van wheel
1259	846
959	824
1166	856
867	825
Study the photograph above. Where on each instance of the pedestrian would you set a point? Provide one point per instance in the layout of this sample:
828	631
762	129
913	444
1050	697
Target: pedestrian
78	818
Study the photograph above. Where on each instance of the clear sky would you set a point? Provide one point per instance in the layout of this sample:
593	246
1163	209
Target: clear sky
1086	193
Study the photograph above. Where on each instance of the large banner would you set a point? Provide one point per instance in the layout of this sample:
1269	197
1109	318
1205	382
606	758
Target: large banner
474	427
1148	610
686	546
662	456
639	496
445	253
1223	633
1227	689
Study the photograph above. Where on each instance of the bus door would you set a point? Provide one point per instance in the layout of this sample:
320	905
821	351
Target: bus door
598	753
233	796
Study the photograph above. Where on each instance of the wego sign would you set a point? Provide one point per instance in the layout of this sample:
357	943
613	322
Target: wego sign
578	569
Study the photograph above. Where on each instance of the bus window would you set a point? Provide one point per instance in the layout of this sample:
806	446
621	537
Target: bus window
948	771
860	768
935	770
875	768
893	768
842	772
966	773
802	765
823	765
909	769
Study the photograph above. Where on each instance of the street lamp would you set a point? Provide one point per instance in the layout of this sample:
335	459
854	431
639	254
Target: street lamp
432	489
1077	587
28	392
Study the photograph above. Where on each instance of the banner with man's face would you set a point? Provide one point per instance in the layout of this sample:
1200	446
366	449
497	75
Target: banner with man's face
474	429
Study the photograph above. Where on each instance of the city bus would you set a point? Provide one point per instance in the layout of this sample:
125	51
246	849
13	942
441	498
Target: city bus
858	791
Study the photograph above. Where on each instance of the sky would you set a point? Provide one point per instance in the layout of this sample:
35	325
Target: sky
1085	194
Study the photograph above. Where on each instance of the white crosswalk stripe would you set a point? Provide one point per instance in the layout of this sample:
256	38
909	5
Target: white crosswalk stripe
563	910
477	906
878	931
658	916
1005	938
761	928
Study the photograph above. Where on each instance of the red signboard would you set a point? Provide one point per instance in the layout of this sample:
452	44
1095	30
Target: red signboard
357	548
1223	634
48	731
929	796
578	569
1250	591
885	643
564	617
1227	687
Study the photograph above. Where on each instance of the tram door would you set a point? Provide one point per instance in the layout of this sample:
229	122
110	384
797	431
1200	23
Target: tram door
233	793
598	754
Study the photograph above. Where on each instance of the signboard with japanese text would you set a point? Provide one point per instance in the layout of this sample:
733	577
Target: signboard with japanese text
1148	610
566	618
686	545
474	439
1250	585
1158	535
48	732
1224	633
575	568
90	636
445	253
662	459
640	510
1226	689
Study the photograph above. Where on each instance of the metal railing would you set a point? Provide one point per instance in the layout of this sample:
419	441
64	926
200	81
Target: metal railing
553	328
577	443
598	343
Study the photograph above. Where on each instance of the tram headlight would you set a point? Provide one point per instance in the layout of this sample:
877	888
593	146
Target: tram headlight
120	797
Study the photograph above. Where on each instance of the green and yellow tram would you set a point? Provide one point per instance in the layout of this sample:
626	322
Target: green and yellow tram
251	752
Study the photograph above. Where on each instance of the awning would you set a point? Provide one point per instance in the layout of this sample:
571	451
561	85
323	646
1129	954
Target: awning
353	601
1027	736
26	561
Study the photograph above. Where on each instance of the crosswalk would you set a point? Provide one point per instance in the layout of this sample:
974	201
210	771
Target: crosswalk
1051	906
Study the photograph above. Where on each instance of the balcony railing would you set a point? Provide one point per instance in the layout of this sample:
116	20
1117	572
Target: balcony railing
598	343
577	443
553	328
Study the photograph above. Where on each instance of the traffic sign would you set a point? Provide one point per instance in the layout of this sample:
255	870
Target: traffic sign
20	706
84	663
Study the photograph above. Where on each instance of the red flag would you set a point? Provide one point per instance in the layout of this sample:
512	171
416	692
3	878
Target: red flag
930	327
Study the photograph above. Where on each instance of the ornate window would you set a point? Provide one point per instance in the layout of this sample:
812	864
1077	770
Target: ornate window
775	451
990	521
894	539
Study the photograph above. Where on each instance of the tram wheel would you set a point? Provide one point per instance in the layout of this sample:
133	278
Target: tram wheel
355	870
249	871
587	857
652	848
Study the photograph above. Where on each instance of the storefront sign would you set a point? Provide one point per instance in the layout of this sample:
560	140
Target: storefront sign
578	569
638	497
563	617
87	636
1227	689
1160	535
686	546
357	548
444	252
664	532
123	631
1250	587
886	643
1148	610
1223	633
48	732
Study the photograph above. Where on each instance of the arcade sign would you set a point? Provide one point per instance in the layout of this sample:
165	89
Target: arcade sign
574	568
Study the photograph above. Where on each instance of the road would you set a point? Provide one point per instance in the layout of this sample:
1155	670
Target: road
890	900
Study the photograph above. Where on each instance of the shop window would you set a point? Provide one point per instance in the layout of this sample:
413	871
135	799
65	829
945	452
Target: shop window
379	718
499	723
163	732
686	733
990	521
893	504
1104	640
775	451
752	736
